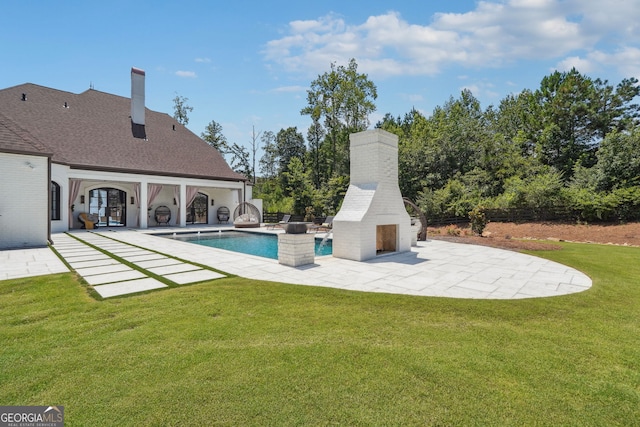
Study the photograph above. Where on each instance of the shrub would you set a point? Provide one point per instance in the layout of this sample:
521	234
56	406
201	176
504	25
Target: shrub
478	220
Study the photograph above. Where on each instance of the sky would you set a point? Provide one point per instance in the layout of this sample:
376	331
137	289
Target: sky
248	64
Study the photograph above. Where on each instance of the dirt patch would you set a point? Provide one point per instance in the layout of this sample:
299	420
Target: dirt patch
532	236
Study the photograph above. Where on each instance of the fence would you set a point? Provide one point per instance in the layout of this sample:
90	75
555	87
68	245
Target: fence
274	217
558	213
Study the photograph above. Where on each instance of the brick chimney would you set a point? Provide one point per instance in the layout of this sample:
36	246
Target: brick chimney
137	96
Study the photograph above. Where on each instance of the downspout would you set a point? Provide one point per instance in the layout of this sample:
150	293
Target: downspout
49	199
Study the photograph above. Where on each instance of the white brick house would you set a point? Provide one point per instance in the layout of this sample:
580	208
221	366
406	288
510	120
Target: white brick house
62	154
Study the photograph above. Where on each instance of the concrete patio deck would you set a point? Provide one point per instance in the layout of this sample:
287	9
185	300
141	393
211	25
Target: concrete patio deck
433	268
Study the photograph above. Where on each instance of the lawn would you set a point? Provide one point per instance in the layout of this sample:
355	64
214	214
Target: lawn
239	352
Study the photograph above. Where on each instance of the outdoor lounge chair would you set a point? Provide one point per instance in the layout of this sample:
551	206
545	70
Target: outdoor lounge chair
223	214
325	226
88	221
163	215
246	215
285	219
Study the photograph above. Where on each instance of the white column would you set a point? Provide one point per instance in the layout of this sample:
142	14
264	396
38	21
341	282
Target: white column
183	206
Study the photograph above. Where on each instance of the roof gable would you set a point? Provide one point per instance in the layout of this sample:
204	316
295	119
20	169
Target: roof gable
93	130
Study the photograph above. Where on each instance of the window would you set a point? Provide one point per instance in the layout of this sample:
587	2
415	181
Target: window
55	201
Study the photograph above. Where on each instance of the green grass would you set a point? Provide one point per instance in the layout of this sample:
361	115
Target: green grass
242	352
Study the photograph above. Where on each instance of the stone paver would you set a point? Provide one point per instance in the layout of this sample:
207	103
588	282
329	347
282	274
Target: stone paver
156	262
102	269
101	279
115	278
128	287
193	276
18	263
175	268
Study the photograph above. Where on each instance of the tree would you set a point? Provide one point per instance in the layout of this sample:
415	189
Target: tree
315	136
289	145
240	160
299	186
213	136
619	160
254	148
344	99
269	161
613	109
567	112
181	109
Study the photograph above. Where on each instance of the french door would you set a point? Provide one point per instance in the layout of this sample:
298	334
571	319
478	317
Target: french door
110	204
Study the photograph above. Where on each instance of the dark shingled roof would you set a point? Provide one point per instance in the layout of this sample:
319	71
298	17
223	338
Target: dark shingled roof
14	139
94	131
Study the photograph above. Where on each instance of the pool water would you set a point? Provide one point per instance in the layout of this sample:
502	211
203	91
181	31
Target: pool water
264	245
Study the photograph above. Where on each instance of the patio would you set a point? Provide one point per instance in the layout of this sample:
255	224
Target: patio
433	268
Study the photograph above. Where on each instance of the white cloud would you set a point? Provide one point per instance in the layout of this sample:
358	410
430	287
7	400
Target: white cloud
495	33
288	89
203	60
187	74
412	97
583	65
626	60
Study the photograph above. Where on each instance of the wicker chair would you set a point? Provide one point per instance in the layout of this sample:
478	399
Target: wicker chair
223	214
163	215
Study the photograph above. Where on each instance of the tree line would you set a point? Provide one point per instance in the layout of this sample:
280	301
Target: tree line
572	142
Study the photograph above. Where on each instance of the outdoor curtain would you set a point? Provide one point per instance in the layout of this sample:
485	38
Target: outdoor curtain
176	197
192	192
152	192
74	189
136	197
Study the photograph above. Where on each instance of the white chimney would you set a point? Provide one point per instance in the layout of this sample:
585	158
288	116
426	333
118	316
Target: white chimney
373	219
137	96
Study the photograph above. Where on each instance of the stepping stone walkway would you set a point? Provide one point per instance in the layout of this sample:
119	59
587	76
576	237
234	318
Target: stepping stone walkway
110	277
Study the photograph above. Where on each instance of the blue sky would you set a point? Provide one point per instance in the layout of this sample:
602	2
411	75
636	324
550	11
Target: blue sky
249	63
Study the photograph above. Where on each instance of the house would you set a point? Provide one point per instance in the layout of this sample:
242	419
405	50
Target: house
64	154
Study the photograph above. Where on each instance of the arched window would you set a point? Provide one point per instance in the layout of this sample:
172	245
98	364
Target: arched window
55	201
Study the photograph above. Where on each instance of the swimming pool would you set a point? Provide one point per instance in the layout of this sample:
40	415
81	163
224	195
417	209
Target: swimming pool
260	244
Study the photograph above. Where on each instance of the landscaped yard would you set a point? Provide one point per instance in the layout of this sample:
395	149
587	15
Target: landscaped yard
241	352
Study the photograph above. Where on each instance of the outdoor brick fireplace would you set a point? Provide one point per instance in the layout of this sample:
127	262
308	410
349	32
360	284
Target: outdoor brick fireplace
373	219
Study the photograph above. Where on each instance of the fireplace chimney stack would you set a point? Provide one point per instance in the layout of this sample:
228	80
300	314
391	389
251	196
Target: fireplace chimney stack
373	220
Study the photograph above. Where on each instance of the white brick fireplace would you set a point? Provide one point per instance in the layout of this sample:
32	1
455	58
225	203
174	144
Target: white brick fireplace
373	219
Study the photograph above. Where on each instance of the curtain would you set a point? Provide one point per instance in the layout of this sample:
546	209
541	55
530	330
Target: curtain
176	197
74	189
152	192
192	192
136	199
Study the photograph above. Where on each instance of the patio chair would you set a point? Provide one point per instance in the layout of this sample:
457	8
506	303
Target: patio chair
327	225
223	214
88	221
163	215
285	219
